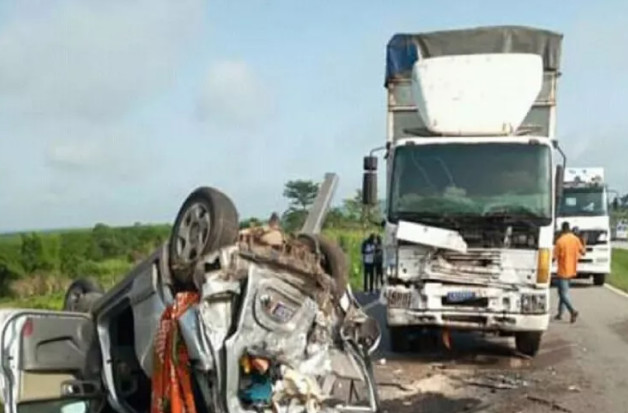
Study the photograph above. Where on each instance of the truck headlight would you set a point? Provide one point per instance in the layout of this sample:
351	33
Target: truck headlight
603	237
543	266
533	303
390	262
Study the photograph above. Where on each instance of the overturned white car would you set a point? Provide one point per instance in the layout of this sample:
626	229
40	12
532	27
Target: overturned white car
215	320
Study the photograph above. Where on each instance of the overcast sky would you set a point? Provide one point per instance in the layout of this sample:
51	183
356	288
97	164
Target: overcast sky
112	111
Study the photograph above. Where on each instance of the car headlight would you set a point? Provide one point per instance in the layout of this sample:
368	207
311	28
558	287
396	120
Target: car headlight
603	237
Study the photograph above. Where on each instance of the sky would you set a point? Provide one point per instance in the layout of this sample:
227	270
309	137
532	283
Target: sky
113	111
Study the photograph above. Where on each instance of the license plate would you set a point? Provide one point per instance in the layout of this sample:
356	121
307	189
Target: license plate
399	299
460	296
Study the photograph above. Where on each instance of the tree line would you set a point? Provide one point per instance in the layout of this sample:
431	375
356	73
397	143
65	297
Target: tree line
70	254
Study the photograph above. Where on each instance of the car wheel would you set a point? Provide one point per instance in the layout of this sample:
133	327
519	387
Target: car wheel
334	260
599	279
399	339
206	222
76	295
528	342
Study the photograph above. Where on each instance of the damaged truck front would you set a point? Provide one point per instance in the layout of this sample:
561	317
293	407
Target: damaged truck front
473	174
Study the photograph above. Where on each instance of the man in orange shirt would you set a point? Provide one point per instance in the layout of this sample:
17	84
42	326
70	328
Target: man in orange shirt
567	251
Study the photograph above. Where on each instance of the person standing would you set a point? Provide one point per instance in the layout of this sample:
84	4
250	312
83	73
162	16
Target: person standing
368	261
567	251
378	262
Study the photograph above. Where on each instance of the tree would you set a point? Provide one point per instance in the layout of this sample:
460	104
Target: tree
73	252
249	222
355	212
105	244
32	253
300	193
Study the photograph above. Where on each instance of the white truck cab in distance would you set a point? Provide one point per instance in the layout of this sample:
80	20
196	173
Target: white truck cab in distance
584	205
472	180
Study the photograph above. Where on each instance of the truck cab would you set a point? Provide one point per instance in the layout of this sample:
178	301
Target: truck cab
472	178
584	205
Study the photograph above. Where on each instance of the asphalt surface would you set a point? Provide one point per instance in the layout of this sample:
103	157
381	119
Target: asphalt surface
581	367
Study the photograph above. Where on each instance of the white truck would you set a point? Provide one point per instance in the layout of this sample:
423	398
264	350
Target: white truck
585	206
473	175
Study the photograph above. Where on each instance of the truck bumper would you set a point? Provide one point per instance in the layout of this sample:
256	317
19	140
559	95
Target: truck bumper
504	322
586	269
491	309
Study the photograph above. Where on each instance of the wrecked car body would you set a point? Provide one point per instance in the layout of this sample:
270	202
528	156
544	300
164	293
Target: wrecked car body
265	327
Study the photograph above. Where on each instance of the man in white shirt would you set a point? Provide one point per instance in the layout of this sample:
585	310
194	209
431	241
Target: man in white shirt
368	260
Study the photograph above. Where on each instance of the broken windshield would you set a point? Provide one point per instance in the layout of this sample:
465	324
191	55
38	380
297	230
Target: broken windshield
510	180
577	202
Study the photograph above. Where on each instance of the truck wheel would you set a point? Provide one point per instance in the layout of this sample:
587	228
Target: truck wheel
334	259
206	222
399	340
528	342
75	296
599	279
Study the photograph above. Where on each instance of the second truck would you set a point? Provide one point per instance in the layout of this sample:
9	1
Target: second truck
472	180
585	206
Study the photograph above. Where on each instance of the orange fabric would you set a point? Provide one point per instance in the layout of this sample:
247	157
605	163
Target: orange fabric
567	251
171	381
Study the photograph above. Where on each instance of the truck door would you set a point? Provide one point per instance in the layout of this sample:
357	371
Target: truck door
50	361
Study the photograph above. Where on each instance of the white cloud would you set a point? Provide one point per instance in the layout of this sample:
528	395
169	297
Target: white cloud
234	95
92	59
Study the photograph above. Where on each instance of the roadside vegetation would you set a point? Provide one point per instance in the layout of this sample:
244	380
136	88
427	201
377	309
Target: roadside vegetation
619	270
37	267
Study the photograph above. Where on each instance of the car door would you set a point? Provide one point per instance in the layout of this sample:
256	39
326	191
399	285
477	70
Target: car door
50	361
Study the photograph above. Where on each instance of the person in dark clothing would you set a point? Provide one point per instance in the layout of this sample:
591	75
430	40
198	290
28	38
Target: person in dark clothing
378	262
368	261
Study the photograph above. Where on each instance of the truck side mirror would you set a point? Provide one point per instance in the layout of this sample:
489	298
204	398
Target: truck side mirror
560	175
369	181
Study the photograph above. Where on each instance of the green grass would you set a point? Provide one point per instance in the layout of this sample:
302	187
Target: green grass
619	269
111	271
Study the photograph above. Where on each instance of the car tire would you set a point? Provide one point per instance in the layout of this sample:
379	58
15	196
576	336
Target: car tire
399	339
335	261
528	342
206	222
599	279
76	295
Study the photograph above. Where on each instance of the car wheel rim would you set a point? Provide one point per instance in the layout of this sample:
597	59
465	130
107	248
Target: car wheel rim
193	233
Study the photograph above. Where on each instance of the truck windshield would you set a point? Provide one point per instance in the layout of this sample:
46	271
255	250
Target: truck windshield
479	180
583	202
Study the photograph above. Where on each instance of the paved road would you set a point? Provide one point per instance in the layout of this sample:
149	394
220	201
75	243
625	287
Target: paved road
581	367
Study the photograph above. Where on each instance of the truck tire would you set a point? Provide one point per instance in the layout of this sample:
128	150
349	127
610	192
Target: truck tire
206	222
528	342
75	296
399	340
334	260
599	279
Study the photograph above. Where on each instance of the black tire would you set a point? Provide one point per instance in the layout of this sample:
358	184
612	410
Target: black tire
399	340
75	295
335	261
599	279
528	342
87	301
213	226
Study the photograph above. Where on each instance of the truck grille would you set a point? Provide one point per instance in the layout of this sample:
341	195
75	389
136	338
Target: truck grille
475	267
590	237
